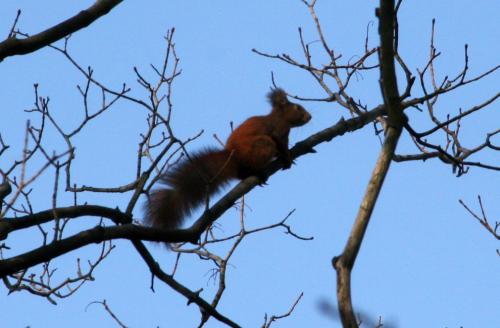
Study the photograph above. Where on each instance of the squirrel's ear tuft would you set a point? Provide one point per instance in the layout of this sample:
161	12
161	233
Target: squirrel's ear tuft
277	97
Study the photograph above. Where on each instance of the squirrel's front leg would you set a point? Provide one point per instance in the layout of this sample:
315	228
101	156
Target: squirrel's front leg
284	153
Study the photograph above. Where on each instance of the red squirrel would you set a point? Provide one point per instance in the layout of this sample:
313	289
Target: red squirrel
248	150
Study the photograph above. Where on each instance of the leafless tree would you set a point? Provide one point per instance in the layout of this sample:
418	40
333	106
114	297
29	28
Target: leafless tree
160	149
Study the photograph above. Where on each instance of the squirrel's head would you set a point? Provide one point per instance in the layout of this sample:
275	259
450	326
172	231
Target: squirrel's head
293	113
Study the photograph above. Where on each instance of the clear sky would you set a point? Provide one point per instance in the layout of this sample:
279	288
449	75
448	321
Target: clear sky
424	262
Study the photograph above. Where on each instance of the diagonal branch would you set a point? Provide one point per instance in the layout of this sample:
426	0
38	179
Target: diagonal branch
301	148
458	117
483	219
344	263
193	297
14	46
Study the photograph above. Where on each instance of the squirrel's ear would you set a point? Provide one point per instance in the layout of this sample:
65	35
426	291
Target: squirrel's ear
277	97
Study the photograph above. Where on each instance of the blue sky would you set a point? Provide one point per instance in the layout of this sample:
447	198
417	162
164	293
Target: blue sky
424	261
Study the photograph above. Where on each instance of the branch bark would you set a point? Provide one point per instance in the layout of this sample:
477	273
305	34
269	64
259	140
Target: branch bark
97	234
5	190
14	46
344	263
7	225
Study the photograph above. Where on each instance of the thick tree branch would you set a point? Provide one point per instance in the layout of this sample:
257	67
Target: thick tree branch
97	234
14	46
388	82
8	225
5	190
345	262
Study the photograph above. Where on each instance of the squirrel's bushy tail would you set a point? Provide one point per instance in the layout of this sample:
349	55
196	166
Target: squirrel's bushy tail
189	184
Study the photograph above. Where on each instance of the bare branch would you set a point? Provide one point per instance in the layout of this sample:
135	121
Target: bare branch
483	220
345	262
5	190
12	32
13	46
458	117
42	285
274	318
97	234
8	225
108	309
193	297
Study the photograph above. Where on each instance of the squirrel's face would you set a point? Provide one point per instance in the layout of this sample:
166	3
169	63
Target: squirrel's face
291	112
295	114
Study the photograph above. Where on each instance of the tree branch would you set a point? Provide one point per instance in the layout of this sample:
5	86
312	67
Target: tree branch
97	234
8	225
344	263
5	190
193	297
14	46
